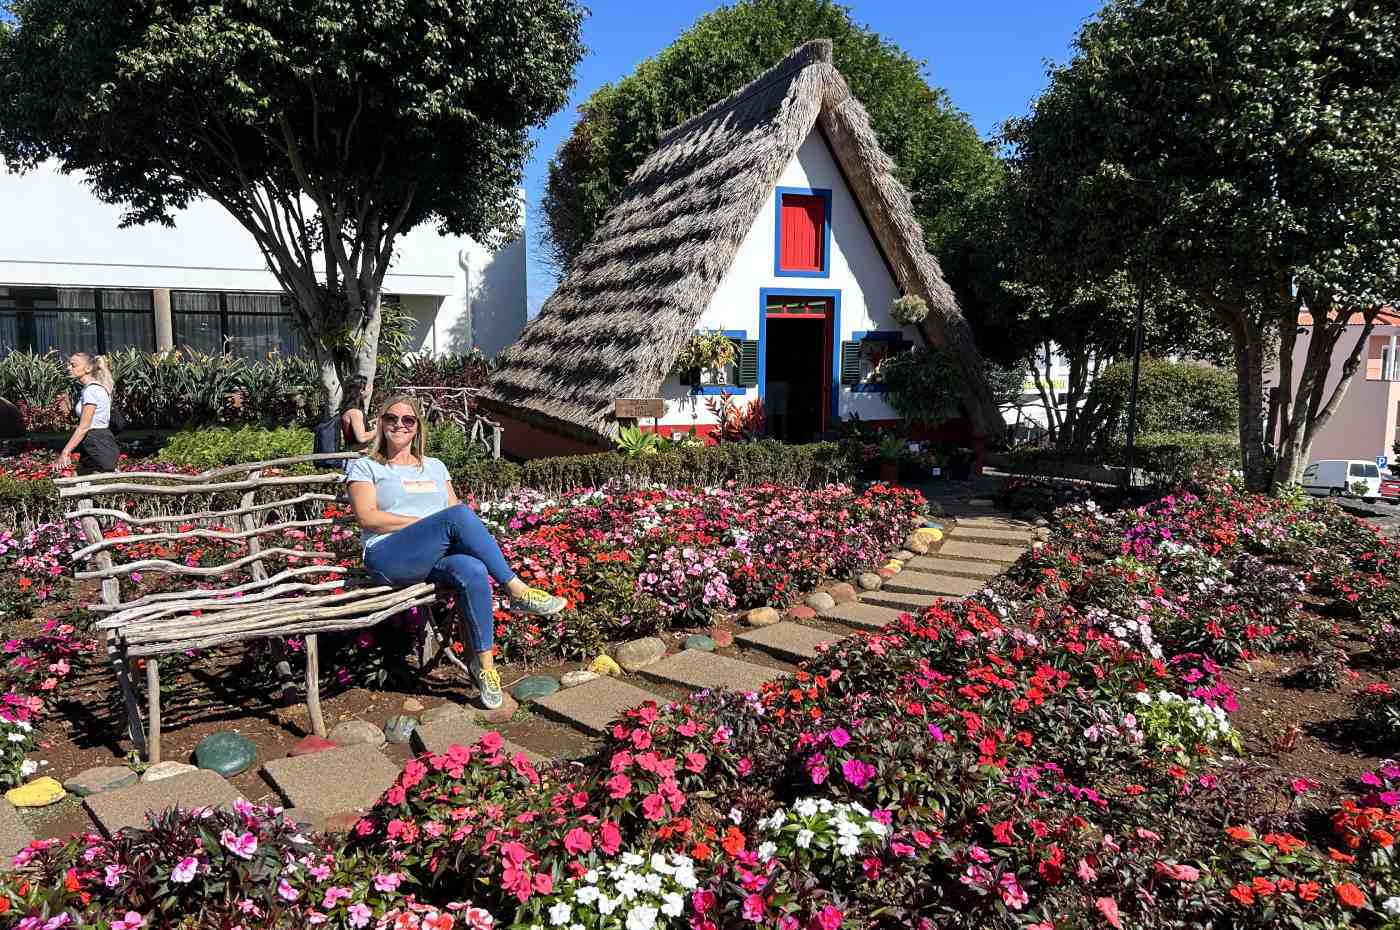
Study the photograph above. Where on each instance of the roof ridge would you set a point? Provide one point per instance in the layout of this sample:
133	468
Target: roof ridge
817	51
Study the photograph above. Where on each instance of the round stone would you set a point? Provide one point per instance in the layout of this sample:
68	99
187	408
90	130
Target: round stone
534	688
700	642
103	778
41	792
357	733
869	581
225	753
604	665
500	714
412	706
801	612
821	601
886	573
309	744
640	653
723	638
399	728
916	544
577	677
445	712
761	616
842	593
167	770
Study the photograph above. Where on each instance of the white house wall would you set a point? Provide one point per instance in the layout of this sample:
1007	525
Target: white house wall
58	234
857	270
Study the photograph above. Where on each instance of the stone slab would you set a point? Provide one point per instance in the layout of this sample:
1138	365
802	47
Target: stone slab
14	834
437	737
332	780
991	534
967	569
902	602
696	669
593	706
127	807
912	582
993	523
791	641
865	615
982	552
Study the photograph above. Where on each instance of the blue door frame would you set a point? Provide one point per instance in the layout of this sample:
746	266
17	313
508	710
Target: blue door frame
834	362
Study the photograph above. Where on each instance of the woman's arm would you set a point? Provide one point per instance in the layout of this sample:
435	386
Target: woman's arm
357	425
65	458
365	503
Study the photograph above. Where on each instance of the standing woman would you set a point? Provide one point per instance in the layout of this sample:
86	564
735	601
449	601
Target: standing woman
353	428
94	409
415	529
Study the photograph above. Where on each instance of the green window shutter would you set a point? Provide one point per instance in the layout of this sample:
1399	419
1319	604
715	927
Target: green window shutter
748	362
850	363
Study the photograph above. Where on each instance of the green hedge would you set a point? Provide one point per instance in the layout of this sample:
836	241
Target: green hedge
1173	398
1169	457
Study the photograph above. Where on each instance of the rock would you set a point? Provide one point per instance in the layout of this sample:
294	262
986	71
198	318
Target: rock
580	676
41	792
928	535
500	714
640	653
309	744
1042	533
444	712
903	555
103	778
167	770
869	581
801	612
930	524
915	545
895	564
761	616
398	728
821	601
1041	521
700	642
412	706
357	733
723	638
225	753
886	573
534	688
842	593
604	665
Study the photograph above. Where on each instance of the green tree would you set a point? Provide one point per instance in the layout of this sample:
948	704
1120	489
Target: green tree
938	154
1247	151
325	127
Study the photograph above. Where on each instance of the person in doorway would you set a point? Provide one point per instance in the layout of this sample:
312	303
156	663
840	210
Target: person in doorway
357	434
93	435
416	530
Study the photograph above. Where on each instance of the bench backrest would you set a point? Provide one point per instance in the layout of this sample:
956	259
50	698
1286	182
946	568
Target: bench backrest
268	501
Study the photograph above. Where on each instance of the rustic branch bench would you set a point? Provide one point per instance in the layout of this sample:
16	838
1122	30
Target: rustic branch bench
286	594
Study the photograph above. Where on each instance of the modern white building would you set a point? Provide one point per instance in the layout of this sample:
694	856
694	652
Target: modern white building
72	280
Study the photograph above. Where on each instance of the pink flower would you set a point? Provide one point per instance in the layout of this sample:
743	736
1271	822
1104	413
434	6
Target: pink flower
702	900
839	737
696	761
653	807
610	838
1303	785
544	882
184	870
1012	893
359	915
1085	871
618	786
829	918
286	892
1109	909
242	846
333	894
754	907
578	840
857	772
131	921
387	881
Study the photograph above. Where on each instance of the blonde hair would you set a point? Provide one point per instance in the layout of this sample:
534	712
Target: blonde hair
100	371
419	446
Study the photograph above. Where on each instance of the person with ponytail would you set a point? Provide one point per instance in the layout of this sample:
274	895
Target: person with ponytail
93	435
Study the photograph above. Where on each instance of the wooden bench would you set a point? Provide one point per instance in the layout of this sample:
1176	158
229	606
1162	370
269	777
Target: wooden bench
263	593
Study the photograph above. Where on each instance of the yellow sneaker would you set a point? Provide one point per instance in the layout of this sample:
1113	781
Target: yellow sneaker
538	602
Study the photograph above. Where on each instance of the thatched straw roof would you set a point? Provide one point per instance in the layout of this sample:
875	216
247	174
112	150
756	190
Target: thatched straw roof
633	297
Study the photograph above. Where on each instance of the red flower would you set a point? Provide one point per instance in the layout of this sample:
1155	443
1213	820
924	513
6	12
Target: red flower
1350	895
1242	894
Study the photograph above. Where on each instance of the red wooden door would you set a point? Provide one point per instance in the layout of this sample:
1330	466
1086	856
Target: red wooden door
803	232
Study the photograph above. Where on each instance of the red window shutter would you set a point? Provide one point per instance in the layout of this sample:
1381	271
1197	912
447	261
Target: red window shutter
803	233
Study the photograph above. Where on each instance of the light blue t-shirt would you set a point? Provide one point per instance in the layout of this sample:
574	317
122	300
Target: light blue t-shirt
406	490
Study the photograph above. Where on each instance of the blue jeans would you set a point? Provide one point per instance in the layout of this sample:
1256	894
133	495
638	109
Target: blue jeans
451	547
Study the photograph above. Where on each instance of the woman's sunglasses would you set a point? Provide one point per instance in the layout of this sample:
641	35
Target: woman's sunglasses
390	420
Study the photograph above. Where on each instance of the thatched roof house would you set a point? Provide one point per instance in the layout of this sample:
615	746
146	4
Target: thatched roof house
689	216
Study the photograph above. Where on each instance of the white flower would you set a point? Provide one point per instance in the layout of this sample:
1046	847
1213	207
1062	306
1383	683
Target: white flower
659	864
591	876
631	859
804	838
766	850
876	827
1391	906
848	845
607	905
28	767
806	807
15	737
672	904
1142	697
685	877
641	917
735	815
560	913
587	894
652	883
825	806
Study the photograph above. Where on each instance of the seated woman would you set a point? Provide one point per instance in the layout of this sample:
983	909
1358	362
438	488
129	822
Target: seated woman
416	530
356	433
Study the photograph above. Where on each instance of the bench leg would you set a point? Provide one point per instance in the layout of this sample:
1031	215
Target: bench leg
120	667
153	705
313	685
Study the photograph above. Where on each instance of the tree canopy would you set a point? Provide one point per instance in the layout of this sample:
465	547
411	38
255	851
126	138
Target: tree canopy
325	127
1247	151
938	154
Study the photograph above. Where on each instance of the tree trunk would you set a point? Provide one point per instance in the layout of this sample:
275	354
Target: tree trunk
366	360
1248	341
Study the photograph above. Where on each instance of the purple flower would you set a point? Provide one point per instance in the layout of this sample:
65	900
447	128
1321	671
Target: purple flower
857	772
839	737
242	846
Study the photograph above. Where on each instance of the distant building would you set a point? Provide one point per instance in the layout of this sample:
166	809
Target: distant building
71	280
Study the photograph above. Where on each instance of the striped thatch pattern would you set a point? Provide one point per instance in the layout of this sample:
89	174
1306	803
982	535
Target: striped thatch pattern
635	294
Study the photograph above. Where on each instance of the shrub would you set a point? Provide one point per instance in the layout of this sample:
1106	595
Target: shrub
450	443
1325	671
1170	457
922	385
211	447
1378	710
1173	397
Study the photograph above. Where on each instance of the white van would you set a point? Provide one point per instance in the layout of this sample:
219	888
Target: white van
1335	477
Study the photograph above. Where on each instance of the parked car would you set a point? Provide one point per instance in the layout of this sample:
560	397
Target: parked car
1335	477
1390	487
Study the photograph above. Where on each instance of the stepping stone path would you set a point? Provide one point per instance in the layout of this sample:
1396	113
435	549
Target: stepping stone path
127	807
915	582
163	770
593	706
698	670
959	567
980	552
790	641
903	602
14	835
225	753
332	781
103	778
867	615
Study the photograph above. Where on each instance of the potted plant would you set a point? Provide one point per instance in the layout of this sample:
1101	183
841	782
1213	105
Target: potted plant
892	451
703	351
909	310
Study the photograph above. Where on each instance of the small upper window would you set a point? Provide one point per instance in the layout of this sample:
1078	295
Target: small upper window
802	232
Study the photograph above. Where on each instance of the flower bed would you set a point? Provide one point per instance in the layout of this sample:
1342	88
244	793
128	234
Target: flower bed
1055	753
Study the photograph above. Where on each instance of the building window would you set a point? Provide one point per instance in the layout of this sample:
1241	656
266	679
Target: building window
76	319
803	246
248	325
862	354
737	375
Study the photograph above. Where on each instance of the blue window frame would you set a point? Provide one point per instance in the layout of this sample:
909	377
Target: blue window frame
778	269
714	390
887	340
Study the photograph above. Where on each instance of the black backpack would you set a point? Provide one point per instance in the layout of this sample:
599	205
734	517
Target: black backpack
328	436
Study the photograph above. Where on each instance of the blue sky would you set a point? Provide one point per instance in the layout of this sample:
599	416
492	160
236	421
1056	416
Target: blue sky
990	56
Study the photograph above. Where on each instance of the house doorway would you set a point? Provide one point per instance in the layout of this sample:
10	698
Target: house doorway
797	368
